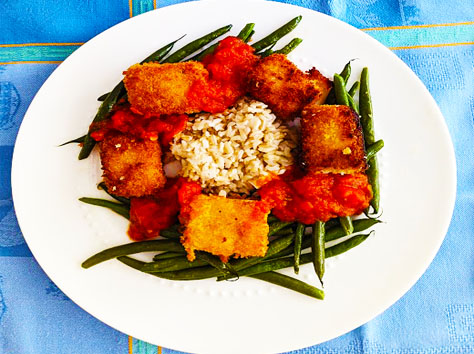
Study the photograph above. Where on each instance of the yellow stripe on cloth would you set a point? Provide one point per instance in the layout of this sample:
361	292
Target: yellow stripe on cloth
418	26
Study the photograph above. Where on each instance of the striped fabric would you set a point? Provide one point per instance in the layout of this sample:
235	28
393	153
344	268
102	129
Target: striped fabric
436	39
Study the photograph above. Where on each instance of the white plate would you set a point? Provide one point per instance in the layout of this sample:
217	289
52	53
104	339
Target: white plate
418	192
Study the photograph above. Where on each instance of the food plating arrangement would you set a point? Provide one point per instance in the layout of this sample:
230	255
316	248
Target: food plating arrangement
230	161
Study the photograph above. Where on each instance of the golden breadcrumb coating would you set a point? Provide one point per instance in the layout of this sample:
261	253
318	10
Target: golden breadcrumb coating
322	84
332	140
132	167
155	89
226	227
276	81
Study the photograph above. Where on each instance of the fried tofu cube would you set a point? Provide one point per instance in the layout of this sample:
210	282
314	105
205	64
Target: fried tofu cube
155	89
322	84
332	140
226	227
277	82
132	167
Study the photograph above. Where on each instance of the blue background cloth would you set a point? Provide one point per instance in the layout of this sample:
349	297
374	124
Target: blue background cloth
436	39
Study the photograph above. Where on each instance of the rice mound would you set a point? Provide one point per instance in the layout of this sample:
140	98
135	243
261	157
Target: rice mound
232	150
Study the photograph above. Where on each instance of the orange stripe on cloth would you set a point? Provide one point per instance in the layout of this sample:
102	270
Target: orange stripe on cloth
130	7
130	345
159	350
431	45
418	26
154	4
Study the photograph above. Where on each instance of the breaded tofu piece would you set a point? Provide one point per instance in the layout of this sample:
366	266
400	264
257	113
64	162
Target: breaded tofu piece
226	227
277	82
155	89
132	167
332	140
321	83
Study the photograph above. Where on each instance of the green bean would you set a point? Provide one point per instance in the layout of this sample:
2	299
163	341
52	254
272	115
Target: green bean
122	200
195	45
354	88
287	49
103	112
160	53
285	262
185	274
154	57
199	56
274	247
331	234
132	248
340	90
346	72
317	249
171	232
346	245
266	52
297	247
172	264
290	283
359	225
112	98
245	33
225	268
120	209
352	104
284	232
367	122
373	149
365	105
278	225
272	218
166	255
102	98
197	273
331	223
131	262
277	34
373	176
249	38
77	141
346	224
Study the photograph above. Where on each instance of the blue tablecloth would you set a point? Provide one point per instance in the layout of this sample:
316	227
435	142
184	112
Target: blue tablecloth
435	38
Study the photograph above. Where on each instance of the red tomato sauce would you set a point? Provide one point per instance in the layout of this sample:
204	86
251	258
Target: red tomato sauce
228	67
317	197
149	215
125	121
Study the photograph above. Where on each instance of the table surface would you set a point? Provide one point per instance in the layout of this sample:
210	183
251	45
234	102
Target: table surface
435	39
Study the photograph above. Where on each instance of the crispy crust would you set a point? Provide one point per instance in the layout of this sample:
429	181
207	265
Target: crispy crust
155	89
132	167
226	227
322	84
279	83
332	140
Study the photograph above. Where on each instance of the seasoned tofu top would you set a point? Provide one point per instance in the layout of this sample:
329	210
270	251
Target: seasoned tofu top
155	89
332	140
276	81
132	167
226	227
